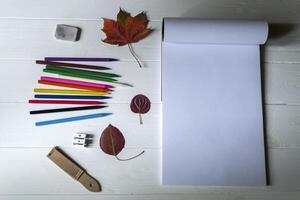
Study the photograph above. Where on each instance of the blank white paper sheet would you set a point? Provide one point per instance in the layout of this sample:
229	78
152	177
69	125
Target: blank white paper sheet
212	102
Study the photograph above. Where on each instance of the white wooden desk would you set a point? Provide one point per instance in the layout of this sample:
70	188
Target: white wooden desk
27	33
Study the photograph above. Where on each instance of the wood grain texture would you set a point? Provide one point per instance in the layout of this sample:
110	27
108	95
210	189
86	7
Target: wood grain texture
209	196
140	176
273	11
281	122
33	39
27	33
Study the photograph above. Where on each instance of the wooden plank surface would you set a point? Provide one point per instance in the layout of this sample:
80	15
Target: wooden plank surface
281	122
27	33
140	176
273	11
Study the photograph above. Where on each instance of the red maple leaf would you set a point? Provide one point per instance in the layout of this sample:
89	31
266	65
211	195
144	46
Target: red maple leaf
126	30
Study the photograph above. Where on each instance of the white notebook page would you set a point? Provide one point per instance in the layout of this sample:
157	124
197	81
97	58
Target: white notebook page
212	105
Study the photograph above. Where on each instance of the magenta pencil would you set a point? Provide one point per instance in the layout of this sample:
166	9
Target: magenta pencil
81	83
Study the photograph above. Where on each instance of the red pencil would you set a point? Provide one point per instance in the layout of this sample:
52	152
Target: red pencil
66	102
74	86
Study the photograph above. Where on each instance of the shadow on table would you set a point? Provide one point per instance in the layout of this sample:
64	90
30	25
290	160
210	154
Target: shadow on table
276	33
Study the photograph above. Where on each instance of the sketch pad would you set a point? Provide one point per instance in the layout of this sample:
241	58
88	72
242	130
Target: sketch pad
212	102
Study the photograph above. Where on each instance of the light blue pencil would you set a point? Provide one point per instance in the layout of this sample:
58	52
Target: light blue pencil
71	119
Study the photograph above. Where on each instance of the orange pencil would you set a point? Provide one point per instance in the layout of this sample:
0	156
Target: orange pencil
74	86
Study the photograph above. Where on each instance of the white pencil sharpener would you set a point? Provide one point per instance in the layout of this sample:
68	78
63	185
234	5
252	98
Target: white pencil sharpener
82	139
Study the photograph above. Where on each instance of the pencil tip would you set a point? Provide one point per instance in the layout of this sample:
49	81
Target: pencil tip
125	84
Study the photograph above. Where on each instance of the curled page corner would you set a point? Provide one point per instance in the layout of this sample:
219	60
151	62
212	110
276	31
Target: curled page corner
205	31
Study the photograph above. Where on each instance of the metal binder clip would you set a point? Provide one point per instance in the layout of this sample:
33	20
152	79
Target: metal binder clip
81	139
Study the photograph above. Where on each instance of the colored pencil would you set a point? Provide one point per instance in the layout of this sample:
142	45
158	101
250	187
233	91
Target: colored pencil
72	65
66	102
71	119
85	76
81	71
74	82
72	86
58	91
80	59
51	96
65	109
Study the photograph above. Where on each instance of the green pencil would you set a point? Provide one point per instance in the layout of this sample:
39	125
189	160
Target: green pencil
80	71
85	76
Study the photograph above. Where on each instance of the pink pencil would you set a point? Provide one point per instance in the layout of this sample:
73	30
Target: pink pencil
81	83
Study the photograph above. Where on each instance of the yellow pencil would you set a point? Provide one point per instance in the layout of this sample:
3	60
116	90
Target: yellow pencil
40	90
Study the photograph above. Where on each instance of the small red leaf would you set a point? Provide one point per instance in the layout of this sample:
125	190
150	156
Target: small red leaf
140	104
112	140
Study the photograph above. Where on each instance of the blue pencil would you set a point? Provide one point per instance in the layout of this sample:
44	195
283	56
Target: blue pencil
71	119
50	96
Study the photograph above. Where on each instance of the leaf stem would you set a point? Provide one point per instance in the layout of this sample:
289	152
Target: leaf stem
141	120
114	151
134	55
120	159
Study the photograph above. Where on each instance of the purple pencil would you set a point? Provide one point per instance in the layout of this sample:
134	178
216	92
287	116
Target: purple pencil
82	83
80	59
